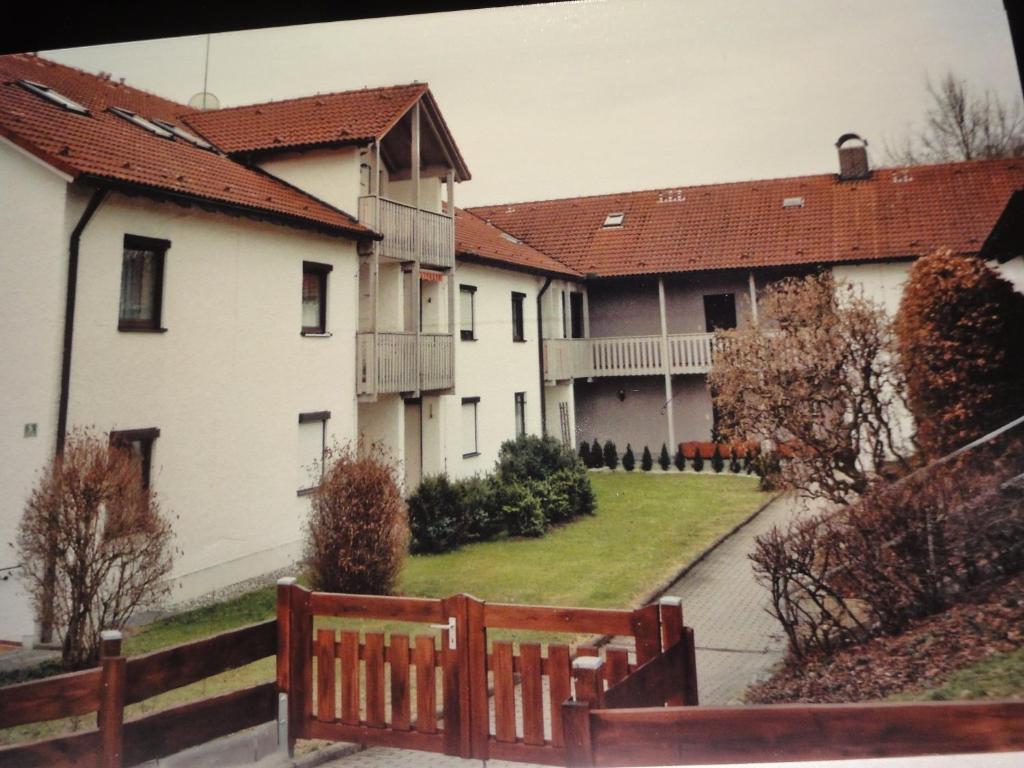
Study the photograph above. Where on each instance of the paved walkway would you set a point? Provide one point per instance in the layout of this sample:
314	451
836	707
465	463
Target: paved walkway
737	641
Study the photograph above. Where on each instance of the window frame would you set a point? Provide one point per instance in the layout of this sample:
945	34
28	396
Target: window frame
321	271
475	402
123	438
468	335
310	417
520	413
518	316
158	247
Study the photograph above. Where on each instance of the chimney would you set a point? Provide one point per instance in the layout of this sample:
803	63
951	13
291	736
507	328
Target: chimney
853	157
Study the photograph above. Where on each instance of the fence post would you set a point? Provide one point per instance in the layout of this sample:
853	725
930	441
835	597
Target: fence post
476	649
647	633
588	675
672	633
692	699
458	739
110	717
285	739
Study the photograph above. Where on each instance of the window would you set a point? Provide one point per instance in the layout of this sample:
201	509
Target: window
51	95
312	440
517	316
720	312
142	279
467	312
614	219
139	442
470	443
576	312
141	122
181	133
314	297
520	414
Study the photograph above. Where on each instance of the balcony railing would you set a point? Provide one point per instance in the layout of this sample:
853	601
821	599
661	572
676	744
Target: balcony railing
399	222
394	362
626	356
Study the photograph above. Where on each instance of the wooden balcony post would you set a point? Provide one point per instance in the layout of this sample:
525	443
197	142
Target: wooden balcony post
110	717
753	296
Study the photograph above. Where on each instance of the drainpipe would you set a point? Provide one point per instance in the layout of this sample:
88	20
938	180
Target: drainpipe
50	576
540	356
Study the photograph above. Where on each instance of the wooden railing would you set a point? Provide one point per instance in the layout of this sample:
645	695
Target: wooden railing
395	362
398	223
626	356
119	681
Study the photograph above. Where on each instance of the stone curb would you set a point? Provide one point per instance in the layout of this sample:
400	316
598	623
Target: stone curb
660	590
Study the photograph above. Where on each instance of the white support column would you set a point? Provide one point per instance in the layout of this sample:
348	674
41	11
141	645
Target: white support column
586	312
416	289
666	365
452	286
375	268
753	296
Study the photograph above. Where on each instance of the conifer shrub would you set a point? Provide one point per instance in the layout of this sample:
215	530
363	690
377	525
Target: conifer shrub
734	461
646	462
958	333
357	535
663	459
748	460
698	461
680	460
717	462
436	518
585	453
522	510
628	459
596	455
611	455
477	509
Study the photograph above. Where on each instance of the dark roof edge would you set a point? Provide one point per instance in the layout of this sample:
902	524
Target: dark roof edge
499	263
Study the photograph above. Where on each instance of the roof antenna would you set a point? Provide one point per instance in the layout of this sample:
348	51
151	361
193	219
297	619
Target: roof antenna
204	99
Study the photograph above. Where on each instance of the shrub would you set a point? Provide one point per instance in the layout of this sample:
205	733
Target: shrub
628	459
663	460
734	461
717	462
477	508
611	455
93	543
436	518
578	488
646	462
530	457
698	461
522	510
958	333
748	461
357	535
768	467
596	456
554	498
585	453
680	460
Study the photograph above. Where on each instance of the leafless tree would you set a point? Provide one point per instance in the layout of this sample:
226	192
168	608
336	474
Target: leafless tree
818	379
960	125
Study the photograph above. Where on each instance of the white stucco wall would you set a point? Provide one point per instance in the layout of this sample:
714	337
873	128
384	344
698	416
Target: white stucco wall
1012	270
225	383
881	282
33	278
332	175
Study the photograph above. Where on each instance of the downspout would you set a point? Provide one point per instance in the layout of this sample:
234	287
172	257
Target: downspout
540	356
69	316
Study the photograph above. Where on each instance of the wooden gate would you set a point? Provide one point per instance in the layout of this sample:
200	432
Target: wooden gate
468	695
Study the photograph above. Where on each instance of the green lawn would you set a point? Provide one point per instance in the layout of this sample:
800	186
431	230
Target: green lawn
998	677
647	526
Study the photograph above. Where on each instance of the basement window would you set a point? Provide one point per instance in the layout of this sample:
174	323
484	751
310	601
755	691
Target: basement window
52	96
139	443
614	220
793	202
181	133
141	122
312	444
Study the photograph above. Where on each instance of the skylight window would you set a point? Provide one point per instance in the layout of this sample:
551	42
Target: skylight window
614	219
181	133
510	238
793	202
142	122
51	95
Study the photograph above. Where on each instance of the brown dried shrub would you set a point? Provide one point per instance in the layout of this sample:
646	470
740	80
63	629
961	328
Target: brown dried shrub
93	543
357	534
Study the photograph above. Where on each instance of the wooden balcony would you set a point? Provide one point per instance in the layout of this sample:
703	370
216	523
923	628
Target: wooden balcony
395	362
626	356
400	224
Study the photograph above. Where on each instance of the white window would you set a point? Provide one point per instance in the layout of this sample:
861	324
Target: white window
312	440
520	414
467	320
470	433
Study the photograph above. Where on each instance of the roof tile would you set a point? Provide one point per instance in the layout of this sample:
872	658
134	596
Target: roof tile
475	237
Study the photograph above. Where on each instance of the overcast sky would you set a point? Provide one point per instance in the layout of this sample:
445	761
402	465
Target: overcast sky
616	95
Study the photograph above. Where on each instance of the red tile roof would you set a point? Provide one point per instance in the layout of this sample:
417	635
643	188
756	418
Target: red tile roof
896	213
349	117
103	146
475	238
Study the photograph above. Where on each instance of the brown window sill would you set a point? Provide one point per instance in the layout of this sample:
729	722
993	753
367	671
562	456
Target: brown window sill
134	329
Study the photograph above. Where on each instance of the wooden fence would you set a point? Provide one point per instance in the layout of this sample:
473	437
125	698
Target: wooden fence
119	682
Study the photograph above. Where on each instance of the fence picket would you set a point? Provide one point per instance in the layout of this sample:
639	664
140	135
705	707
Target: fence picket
504	692
325	707
398	654
559	688
616	664
426	690
350	678
532	693
374	654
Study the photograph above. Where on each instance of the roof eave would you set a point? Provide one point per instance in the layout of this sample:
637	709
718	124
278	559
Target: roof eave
499	263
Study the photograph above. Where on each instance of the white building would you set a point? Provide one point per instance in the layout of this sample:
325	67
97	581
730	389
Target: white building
231	291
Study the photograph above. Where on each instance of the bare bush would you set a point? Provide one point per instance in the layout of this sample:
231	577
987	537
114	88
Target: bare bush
357	534
817	376
93	543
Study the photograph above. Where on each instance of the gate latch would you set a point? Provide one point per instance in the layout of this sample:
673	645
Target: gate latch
450	626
